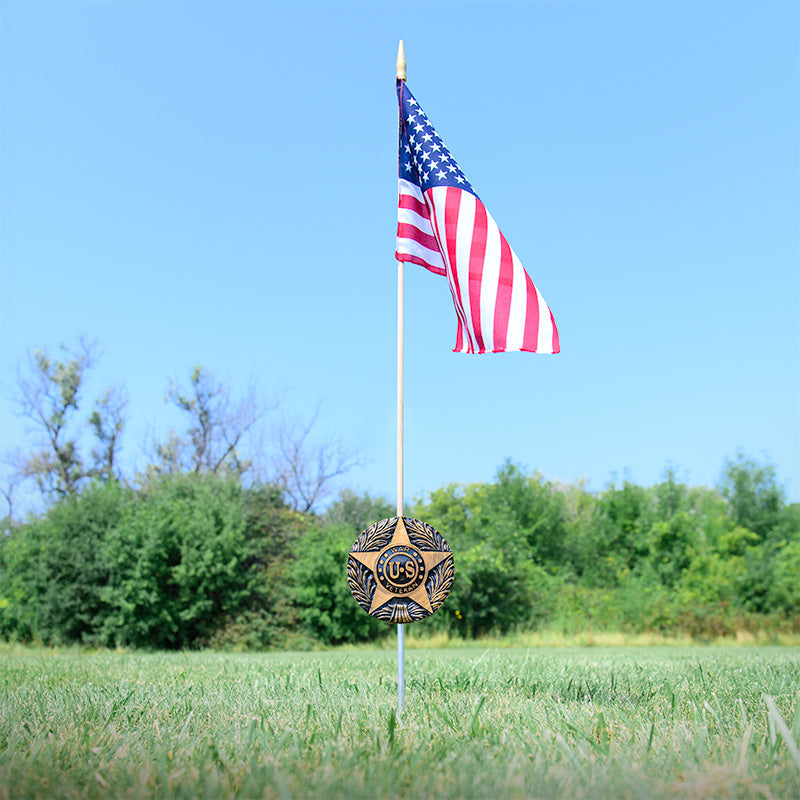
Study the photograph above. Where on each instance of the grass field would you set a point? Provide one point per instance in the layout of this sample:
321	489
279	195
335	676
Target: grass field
487	723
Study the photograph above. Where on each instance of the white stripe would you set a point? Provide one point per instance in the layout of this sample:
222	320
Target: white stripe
466	224
437	198
413	248
406	215
544	343
406	187
491	277
407	246
519	301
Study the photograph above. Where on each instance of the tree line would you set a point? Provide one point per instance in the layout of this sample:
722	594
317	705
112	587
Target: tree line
204	550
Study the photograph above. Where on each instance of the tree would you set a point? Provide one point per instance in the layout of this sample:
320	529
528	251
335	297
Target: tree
617	537
54	569
49	391
358	512
531	508
217	428
755	500
225	436
179	563
306	471
325	606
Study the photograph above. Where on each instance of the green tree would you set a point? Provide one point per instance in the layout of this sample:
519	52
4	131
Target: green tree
358	512
617	537
55	569
217	428
326	608
50	398
525	511
755	499
179	562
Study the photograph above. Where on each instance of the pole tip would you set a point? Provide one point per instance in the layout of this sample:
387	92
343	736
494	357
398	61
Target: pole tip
401	62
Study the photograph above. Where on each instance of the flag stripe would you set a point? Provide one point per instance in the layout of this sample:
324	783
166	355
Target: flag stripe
519	304
462	234
477	261
416	239
450	207
415	234
531	331
423	258
555	345
503	297
421	223
412	203
442	225
491	276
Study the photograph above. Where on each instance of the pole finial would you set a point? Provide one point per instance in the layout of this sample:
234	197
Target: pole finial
401	62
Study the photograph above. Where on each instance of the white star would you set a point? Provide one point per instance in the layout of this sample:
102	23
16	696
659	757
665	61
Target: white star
460	178
452	168
441	174
436	147
427	137
412	101
419	127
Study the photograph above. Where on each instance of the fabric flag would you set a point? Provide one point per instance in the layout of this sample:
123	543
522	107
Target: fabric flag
443	226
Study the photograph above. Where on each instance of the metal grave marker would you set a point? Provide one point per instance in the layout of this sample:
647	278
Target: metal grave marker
400	570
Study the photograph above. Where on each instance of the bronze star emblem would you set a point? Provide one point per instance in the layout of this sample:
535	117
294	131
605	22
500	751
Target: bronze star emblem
400	569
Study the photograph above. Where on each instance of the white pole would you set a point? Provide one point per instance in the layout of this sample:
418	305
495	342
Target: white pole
400	313
401	640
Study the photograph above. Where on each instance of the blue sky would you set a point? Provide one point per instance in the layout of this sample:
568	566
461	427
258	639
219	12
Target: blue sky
215	183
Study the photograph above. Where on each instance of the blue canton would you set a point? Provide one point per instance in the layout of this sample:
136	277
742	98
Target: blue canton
424	159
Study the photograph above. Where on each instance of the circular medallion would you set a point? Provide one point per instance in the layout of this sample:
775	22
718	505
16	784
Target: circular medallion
400	570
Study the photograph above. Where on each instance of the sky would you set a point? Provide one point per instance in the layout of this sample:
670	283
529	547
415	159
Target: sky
215	183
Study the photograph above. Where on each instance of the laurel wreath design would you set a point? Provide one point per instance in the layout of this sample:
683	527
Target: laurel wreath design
361	582
424	536
400	610
376	537
440	582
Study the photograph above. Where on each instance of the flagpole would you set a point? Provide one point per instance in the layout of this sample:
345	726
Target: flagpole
401	642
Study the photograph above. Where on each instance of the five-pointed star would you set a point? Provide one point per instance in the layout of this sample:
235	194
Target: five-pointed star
419	595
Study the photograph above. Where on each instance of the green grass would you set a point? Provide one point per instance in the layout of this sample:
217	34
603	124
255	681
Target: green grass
485	722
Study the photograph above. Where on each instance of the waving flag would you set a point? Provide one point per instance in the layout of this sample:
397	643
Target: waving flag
443	226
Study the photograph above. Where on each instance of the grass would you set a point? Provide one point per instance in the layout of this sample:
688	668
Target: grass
479	722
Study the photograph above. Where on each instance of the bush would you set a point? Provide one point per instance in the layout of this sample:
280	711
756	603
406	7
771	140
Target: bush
179	563
326	609
492	595
55	569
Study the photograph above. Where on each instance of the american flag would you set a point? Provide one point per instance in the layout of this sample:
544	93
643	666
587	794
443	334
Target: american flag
443	226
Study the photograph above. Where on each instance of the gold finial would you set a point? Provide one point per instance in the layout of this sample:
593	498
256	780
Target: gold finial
401	62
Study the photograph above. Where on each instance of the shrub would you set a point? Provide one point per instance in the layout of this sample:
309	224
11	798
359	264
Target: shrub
55	569
326	609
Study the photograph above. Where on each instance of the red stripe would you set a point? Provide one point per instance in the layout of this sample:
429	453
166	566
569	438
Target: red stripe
420	261
459	338
410	202
530	336
477	254
407	231
451	273
556	343
451	209
502	303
